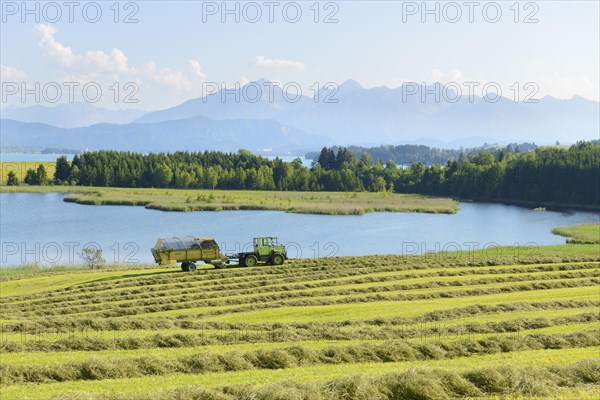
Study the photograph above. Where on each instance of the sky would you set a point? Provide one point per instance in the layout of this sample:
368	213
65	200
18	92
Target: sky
151	55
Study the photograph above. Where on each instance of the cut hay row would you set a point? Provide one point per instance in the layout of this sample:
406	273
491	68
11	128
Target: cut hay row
255	287
99	341
226	341
540	311
533	372
95	368
242	297
230	298
207	308
302	270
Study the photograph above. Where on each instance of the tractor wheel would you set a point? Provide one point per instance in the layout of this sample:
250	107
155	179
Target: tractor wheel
251	261
185	266
192	267
277	259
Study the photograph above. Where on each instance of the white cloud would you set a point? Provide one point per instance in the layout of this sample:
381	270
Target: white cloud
7	73
168	77
116	61
263	61
197	69
63	54
101	66
95	60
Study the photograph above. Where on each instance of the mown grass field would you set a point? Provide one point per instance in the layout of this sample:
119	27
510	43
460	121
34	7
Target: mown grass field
510	324
217	200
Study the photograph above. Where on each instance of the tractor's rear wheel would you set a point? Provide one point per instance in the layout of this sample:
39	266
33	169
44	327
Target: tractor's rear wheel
192	267
251	261
277	259
185	266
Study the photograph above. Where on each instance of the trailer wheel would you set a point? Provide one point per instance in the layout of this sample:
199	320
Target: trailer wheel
251	261
192	267
277	259
185	266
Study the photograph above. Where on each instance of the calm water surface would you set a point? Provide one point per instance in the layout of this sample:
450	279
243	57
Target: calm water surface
42	228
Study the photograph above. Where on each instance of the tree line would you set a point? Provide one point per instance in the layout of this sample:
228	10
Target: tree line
545	175
406	154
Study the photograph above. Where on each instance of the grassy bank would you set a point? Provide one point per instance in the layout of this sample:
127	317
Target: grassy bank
580	234
333	203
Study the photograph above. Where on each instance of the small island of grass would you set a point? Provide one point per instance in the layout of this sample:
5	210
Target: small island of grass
330	203
580	234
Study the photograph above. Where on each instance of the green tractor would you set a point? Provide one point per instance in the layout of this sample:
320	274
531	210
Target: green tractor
265	250
188	250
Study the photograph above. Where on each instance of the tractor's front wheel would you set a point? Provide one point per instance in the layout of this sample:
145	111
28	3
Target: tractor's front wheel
185	266
251	261
277	259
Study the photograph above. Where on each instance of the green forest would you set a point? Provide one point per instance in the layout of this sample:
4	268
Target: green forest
546	175
406	154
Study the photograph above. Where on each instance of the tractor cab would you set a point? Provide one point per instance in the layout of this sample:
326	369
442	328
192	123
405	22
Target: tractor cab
266	249
265	245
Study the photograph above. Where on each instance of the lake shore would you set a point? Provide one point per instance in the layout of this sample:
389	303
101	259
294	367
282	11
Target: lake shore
327	203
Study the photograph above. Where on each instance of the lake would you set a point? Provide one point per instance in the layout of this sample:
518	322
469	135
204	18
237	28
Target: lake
42	228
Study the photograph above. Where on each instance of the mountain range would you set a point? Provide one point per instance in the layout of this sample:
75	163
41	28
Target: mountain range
196	133
71	115
262	115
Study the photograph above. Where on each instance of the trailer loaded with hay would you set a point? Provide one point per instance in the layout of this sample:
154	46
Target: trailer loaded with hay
189	250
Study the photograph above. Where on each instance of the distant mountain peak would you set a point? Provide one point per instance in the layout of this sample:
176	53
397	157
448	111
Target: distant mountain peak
260	82
350	86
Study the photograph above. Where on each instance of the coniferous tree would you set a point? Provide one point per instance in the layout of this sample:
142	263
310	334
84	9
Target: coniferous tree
11	179
63	170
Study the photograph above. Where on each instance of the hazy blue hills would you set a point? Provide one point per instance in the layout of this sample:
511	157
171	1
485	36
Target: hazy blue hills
262	115
197	133
71	115
385	115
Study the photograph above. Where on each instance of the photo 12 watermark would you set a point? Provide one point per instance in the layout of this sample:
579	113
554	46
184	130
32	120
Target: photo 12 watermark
453	12
96	255
469	250
52	12
454	92
252	12
270	92
90	254
69	92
